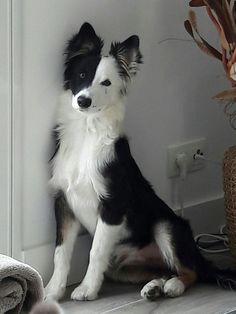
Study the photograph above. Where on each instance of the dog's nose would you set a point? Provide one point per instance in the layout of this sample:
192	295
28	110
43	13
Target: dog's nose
84	102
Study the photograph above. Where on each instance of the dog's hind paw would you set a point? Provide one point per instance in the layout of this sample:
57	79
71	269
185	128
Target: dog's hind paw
153	289
174	287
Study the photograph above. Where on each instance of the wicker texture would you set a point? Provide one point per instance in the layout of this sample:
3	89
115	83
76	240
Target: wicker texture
229	169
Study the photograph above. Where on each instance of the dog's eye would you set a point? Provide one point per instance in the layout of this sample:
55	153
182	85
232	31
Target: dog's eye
82	75
106	83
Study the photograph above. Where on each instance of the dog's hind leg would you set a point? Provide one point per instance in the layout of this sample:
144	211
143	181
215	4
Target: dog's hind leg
67	230
178	252
132	274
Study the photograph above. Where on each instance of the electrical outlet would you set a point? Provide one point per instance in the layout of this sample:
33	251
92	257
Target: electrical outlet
189	148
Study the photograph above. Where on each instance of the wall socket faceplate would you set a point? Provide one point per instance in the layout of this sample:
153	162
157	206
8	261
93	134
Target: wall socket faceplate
189	148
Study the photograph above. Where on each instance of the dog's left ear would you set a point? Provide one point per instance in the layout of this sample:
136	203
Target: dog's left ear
127	55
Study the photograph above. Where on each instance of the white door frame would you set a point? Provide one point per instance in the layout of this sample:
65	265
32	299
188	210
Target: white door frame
17	126
6	131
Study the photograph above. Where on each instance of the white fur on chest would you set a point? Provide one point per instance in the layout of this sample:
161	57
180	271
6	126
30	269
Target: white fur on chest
86	145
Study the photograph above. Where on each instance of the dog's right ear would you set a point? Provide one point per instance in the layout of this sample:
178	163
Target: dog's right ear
84	43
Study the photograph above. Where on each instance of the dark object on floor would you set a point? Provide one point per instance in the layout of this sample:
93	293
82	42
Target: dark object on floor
46	308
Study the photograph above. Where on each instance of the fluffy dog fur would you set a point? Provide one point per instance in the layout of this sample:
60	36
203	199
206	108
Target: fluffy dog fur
136	236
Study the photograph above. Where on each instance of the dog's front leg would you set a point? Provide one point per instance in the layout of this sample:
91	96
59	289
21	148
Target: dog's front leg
105	238
67	230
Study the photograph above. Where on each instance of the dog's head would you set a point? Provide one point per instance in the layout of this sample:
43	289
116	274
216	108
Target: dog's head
97	81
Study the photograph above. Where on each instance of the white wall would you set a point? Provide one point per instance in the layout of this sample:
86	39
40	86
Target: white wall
172	103
170	100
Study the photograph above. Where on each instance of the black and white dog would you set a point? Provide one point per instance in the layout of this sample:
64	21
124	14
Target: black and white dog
136	236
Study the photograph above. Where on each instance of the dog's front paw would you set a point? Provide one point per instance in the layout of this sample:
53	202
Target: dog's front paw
54	291
83	292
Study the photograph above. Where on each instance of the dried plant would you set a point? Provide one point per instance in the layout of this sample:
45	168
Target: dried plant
222	13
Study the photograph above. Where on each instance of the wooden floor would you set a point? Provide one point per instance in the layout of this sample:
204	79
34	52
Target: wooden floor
117	298
120	298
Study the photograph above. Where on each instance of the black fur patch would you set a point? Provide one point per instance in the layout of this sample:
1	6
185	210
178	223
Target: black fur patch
131	197
87	66
84	45
63	214
56	141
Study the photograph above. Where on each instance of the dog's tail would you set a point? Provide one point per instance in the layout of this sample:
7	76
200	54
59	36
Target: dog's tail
209	273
